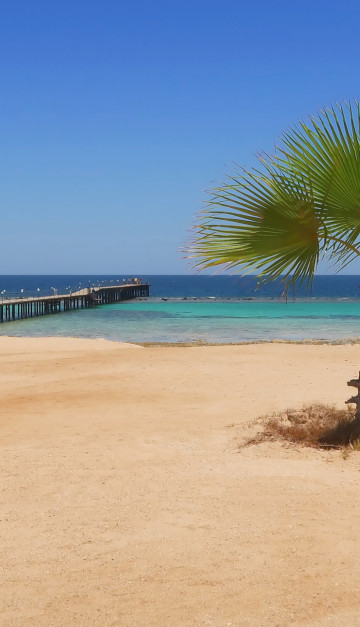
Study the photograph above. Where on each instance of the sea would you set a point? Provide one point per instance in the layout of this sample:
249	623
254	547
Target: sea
200	309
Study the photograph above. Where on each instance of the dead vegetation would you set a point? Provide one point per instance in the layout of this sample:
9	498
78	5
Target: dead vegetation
317	425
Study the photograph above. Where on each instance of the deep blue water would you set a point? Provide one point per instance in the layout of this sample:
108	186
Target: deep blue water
198	308
181	286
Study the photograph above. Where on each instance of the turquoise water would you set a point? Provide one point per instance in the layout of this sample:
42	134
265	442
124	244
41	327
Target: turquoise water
210	320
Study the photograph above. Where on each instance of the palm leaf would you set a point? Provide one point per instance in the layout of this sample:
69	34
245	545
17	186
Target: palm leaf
261	224
327	153
301	203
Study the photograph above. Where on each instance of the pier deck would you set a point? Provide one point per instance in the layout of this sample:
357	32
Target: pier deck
20	308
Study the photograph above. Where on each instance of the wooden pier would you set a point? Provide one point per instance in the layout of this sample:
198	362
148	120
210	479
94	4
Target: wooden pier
20	308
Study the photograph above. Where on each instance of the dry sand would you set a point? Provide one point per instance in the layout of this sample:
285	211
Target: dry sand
126	501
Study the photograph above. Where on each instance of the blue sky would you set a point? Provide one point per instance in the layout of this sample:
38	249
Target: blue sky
115	117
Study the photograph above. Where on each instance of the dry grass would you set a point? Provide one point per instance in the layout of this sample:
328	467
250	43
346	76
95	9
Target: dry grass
317	425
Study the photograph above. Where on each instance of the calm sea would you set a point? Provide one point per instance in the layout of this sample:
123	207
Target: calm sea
197	309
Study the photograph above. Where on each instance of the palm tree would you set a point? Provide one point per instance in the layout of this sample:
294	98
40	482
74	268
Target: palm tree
300	205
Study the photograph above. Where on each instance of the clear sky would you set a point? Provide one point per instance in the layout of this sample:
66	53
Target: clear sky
115	116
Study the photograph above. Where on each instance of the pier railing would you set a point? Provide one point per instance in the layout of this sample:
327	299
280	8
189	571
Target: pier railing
38	292
23	306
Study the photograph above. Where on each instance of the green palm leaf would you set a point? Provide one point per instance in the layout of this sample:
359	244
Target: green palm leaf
302	203
266	225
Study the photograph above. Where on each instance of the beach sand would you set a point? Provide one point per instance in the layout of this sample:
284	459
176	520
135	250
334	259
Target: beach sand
126	500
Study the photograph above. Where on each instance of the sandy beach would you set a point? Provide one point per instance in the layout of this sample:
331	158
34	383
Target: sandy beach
127	501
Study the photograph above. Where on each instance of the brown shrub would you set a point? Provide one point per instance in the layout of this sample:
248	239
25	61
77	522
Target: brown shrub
316	425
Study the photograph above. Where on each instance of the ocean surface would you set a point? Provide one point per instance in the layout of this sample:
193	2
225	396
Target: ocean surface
201	309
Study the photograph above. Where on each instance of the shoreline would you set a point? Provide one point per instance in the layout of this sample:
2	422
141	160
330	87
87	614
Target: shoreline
184	344
200	343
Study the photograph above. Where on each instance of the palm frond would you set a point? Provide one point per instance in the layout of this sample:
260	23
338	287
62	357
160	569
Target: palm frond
301	203
261	224
327	154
